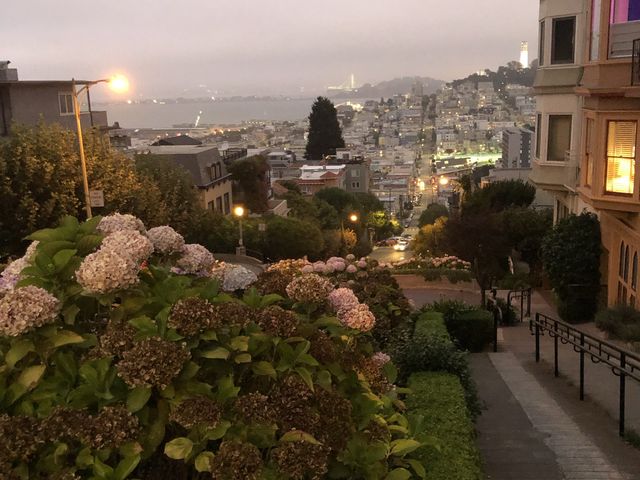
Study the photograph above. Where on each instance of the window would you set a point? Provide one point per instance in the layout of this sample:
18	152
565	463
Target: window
627	284
559	138
621	154
65	101
595	30
541	45
355	173
538	130
210	205
227	204
634	272
563	40
588	153
624	11
355	184
219	204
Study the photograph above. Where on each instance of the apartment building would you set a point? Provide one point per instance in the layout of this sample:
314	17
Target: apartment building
588	91
516	148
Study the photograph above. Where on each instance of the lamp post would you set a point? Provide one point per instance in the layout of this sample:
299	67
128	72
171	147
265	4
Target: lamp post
353	218
117	83
239	212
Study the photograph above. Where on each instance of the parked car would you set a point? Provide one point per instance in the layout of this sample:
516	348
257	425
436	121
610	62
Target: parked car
401	245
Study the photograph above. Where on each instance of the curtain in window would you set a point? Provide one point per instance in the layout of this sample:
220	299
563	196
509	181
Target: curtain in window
621	153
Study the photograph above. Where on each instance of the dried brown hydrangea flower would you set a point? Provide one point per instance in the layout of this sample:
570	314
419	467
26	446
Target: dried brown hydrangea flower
255	408
273	282
191	316
152	362
301	460
112	427
278	322
117	338
294	404
20	438
322	348
201	411
336	422
237	461
231	314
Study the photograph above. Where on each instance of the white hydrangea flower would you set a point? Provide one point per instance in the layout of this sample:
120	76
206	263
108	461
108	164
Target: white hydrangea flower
195	260
165	240
237	277
116	222
129	243
107	271
12	273
25	309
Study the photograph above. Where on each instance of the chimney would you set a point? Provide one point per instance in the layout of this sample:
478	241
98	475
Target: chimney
6	73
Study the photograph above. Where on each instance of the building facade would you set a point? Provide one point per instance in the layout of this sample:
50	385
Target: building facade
208	171
593	107
516	148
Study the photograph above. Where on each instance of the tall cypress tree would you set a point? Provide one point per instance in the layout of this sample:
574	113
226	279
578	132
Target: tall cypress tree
325	134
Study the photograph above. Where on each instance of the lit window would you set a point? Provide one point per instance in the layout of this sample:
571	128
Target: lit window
621	153
588	153
563	40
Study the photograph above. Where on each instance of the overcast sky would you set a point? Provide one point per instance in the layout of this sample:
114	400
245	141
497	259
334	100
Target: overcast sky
190	47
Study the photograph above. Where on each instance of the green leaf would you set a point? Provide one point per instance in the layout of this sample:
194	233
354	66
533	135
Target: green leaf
88	243
45	263
70	313
18	351
144	325
306	376
226	389
323	378
61	259
51	248
220	353
218	432
299	436
203	461
138	398
178	448
209	335
90	225
30	376
101	469
242	358
65	337
403	446
264	368
418	468
240	343
84	458
69	222
126	467
398	474
270	299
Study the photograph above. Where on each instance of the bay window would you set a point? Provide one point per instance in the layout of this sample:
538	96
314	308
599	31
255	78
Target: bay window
621	155
624	27
559	137
563	34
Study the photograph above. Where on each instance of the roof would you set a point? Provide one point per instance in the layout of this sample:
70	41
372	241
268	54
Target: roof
194	158
177	140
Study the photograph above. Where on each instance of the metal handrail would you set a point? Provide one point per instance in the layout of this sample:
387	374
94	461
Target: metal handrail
523	294
623	363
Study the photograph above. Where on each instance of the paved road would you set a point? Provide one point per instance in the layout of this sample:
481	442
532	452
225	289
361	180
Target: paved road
389	255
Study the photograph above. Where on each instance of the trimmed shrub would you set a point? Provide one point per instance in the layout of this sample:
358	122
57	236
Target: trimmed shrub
621	321
470	327
431	349
439	399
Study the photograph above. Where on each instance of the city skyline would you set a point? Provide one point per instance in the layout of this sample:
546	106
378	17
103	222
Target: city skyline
198	48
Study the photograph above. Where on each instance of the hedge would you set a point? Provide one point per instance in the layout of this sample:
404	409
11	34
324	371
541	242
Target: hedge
431	323
439	398
472	330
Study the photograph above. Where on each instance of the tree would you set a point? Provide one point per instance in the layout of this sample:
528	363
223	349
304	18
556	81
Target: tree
432	213
571	257
498	196
339	199
292	238
430	239
40	181
252	177
325	134
479	238
526	228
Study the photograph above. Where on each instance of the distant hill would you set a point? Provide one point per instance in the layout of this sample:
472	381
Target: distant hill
389	88
512	73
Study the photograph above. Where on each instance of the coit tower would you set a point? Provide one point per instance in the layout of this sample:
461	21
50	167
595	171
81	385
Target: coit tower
524	54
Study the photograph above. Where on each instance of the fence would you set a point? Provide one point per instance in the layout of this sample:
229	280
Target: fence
623	363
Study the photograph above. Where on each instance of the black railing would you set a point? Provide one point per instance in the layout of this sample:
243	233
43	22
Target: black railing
524	295
635	63
623	363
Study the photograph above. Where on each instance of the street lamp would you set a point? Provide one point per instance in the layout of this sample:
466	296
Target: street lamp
117	83
239	212
353	217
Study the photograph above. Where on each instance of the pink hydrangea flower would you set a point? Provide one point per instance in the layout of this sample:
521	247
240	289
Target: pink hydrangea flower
380	358
358	318
307	269
351	257
362	264
343	299
352	269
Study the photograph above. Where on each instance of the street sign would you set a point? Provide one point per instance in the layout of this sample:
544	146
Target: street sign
262	227
96	198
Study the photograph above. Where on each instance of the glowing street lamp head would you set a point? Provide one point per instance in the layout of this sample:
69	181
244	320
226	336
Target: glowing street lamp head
119	83
238	211
353	217
443	181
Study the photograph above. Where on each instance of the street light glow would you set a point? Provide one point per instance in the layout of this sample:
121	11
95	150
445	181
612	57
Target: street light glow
443	181
238	211
119	83
353	217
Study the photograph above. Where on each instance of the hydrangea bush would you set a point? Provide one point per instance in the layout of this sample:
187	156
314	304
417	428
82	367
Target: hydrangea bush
434	268
123	358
